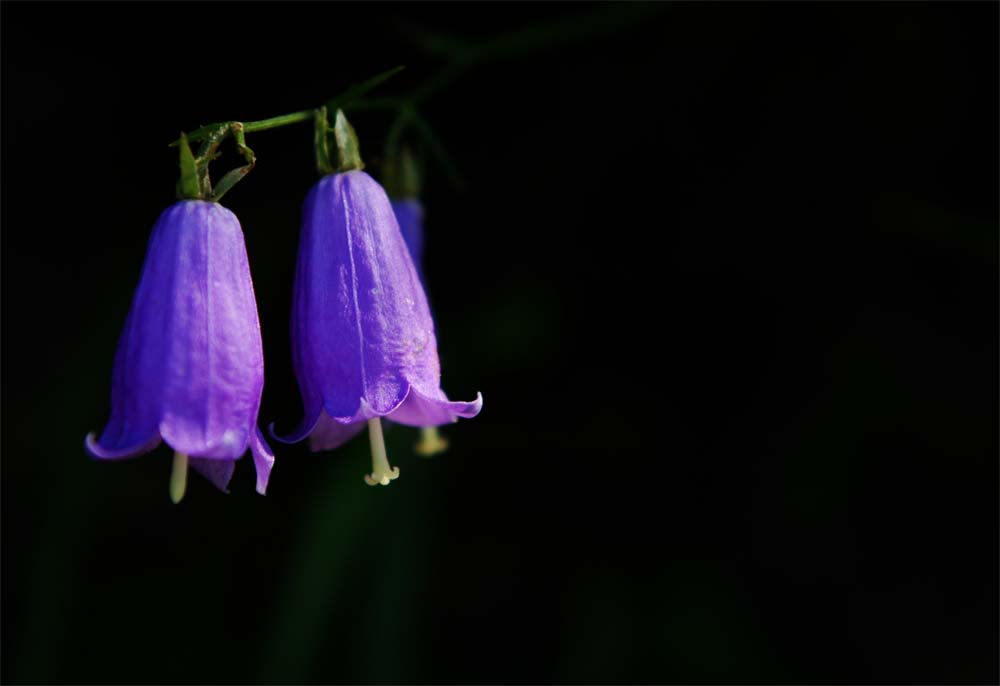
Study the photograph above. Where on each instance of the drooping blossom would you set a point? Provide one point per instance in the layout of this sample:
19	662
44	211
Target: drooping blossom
363	338
189	370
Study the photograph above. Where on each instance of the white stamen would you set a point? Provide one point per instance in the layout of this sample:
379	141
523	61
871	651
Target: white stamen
382	473
178	477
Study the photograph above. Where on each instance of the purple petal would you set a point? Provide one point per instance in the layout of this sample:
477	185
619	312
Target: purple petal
330	434
361	327
362	333
263	459
139	447
219	472
423	410
212	358
137	379
301	431
189	364
305	427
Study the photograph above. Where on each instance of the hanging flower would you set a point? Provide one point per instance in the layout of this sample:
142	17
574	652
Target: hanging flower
363	339
189	369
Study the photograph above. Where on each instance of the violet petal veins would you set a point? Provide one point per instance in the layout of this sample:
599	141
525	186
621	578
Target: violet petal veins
189	369
363	340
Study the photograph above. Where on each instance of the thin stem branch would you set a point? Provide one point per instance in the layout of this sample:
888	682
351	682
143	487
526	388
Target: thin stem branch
275	122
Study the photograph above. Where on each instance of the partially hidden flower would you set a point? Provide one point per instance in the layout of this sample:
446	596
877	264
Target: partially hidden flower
189	370
410	215
362	334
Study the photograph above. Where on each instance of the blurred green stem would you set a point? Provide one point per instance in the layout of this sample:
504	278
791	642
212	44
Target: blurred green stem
340	517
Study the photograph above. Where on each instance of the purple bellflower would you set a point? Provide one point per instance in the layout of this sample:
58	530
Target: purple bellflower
362	335
189	369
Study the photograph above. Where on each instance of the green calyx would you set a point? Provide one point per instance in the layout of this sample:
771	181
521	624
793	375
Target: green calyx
337	148
402	175
189	185
195	182
348	151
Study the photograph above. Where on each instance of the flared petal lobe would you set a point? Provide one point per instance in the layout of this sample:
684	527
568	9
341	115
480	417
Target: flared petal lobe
330	434
420	410
189	366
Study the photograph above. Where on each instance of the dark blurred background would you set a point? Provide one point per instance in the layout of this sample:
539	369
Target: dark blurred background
726	276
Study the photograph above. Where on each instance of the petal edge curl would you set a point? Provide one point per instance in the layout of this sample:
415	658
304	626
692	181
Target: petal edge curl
263	459
98	451
422	410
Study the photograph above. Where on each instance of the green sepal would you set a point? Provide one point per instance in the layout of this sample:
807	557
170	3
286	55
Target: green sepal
234	176
348	150
402	175
321	142
188	187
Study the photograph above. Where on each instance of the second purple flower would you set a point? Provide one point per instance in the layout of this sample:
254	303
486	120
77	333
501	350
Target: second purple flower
363	340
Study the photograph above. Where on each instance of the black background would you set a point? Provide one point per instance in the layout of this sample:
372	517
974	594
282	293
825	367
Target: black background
726	276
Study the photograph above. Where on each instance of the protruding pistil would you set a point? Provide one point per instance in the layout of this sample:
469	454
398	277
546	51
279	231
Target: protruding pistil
431	443
382	473
178	477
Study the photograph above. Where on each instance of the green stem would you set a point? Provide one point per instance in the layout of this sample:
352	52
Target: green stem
275	122
437	149
403	116
342	100
195	179
207	131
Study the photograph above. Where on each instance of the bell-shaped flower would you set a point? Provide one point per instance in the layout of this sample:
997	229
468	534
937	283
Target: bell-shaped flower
363	340
189	369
